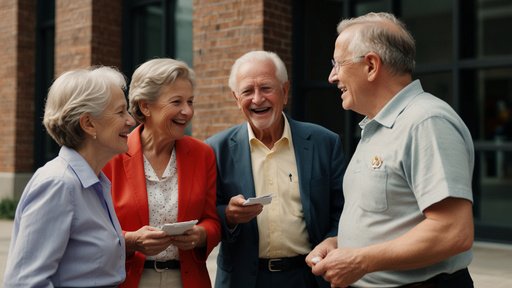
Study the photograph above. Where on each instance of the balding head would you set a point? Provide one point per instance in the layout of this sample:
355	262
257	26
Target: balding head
385	35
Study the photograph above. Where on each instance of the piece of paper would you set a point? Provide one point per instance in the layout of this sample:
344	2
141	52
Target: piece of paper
263	200
178	228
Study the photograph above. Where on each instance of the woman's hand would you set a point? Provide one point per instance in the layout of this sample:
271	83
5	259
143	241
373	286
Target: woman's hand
192	238
147	240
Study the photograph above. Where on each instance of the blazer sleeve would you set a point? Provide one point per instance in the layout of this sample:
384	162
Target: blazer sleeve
338	166
210	219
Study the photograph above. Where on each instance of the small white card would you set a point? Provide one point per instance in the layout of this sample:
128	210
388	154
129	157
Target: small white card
178	228
263	200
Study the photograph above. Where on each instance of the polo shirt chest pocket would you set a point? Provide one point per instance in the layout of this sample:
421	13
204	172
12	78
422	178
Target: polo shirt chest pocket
372	188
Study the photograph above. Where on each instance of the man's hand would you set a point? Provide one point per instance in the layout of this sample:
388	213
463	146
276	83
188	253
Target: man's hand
321	250
341	267
237	213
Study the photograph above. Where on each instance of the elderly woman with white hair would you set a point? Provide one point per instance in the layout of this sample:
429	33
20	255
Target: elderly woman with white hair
66	233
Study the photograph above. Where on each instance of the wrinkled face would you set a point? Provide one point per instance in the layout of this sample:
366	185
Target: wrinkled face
348	73
113	125
172	111
260	95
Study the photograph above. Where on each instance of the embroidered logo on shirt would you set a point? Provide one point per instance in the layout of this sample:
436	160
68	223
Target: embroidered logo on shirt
376	162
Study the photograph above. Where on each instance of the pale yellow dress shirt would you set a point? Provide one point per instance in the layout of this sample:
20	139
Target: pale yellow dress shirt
281	225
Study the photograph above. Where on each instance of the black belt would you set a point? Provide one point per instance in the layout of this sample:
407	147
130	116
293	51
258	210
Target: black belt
282	264
115	286
460	278
162	265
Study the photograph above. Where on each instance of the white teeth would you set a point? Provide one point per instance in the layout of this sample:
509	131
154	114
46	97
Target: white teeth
343	90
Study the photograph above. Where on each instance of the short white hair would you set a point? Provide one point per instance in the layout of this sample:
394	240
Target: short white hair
281	73
75	93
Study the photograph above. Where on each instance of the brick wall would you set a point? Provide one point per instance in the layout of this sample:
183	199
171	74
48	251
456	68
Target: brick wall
17	43
223	31
73	34
8	32
106	33
25	75
87	32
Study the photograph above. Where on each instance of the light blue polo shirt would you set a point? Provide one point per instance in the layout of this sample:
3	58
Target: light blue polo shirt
416	152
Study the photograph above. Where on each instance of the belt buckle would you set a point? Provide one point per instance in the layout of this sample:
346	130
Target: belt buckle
270	265
158	269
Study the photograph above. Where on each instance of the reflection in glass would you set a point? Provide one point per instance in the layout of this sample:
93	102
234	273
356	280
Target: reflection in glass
495	186
493	22
494	88
183	31
493	143
150	20
430	23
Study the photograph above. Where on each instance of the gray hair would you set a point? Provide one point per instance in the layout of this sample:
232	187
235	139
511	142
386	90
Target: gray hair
385	35
150	77
75	93
281	73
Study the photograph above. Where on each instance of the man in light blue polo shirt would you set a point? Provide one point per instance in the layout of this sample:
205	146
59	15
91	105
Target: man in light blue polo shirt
407	218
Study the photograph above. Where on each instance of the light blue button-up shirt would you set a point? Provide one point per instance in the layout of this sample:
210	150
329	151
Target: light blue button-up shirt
63	234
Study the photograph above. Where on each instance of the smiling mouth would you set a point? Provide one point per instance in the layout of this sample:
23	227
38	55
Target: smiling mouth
180	122
260	110
343	89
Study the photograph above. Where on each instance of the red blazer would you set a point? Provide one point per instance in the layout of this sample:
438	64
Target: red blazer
196	200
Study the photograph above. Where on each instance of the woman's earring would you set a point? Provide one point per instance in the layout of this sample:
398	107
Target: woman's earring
94	136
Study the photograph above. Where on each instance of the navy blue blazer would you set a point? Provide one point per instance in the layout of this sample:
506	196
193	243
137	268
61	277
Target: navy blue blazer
320	164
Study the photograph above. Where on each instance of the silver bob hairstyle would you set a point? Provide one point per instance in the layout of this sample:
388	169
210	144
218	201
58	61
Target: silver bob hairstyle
385	35
75	93
281	73
150	77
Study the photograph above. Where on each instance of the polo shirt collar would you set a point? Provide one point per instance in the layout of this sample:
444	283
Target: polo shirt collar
388	115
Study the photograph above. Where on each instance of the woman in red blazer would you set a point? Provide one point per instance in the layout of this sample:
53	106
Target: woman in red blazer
165	177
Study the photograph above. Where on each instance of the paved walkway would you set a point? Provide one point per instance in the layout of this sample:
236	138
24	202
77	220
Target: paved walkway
491	266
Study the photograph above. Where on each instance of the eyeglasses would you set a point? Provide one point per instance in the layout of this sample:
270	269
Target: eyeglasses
336	65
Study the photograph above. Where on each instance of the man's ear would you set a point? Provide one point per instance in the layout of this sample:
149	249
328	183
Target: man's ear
286	89
373	65
87	124
236	99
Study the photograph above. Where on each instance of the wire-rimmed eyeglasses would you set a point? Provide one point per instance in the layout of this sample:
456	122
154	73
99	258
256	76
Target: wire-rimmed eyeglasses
336	65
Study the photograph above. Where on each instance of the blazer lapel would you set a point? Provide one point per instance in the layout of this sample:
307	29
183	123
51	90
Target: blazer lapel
134	167
303	156
186	175
240	151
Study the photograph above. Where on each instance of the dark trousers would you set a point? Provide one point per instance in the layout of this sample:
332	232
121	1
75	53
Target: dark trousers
300	277
457	279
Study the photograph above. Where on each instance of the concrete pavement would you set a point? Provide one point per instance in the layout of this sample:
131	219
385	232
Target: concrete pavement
491	266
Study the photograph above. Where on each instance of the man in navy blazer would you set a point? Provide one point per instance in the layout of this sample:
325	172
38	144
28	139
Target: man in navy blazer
300	164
